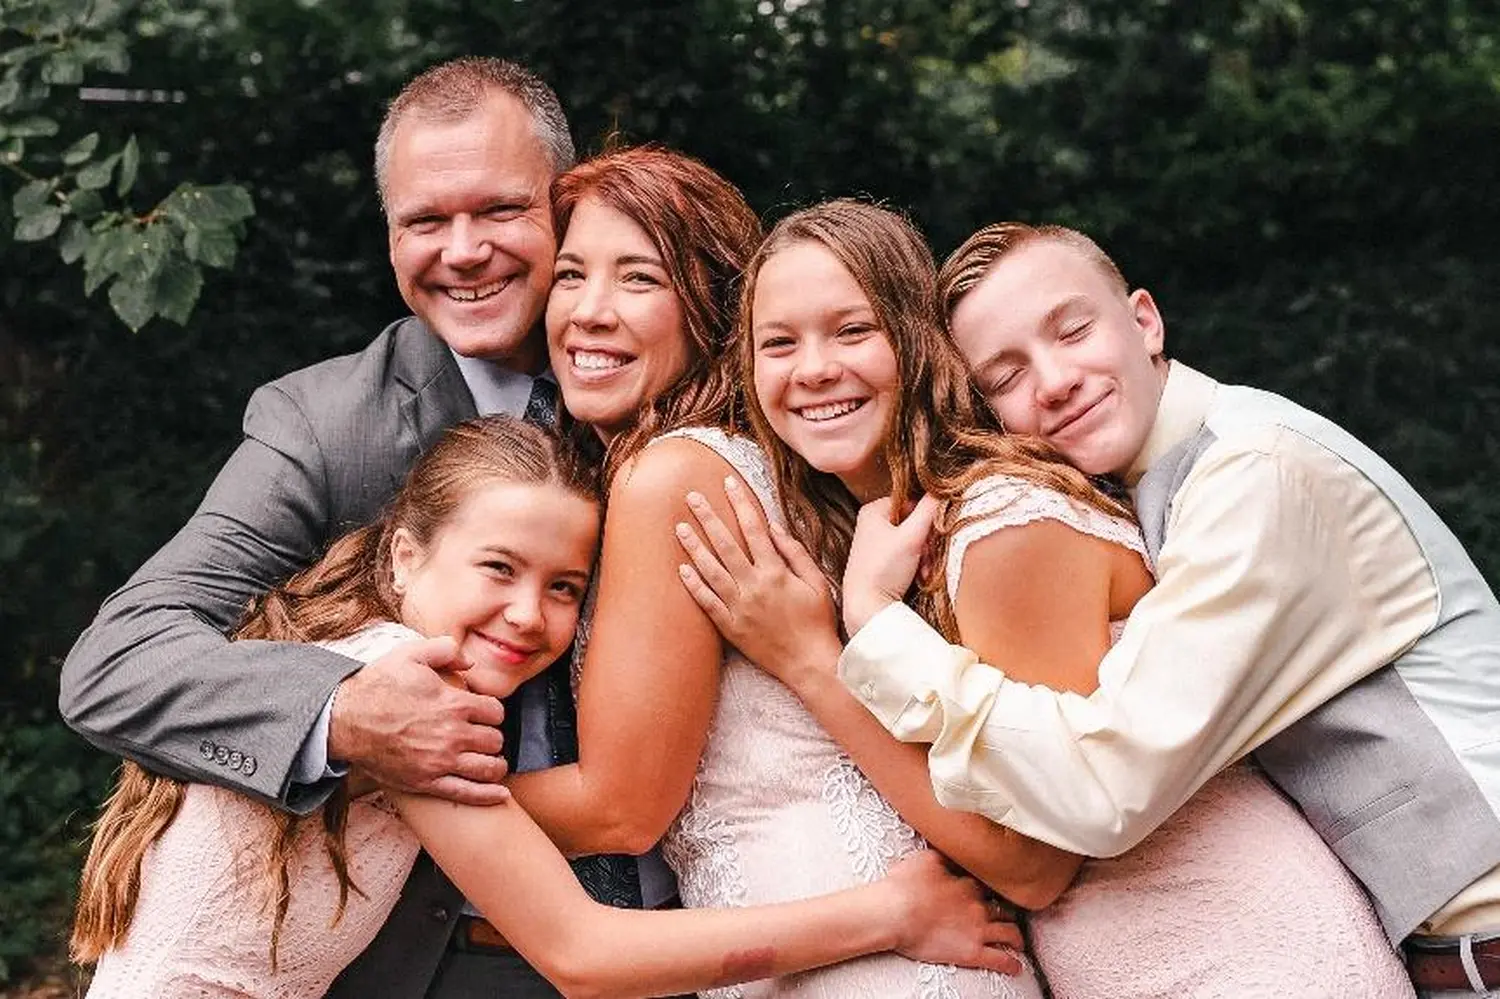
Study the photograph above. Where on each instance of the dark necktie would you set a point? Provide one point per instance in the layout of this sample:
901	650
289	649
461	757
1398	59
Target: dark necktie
541	405
608	878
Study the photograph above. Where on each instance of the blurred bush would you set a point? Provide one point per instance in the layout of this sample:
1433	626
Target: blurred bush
1309	189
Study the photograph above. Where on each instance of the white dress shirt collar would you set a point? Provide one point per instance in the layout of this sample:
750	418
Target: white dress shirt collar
495	388
1185	401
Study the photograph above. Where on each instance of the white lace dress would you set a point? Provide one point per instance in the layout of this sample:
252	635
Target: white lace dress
778	812
1233	897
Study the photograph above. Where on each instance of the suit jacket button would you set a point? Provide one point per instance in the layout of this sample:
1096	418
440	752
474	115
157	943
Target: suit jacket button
235	759
438	913
206	749
221	755
248	767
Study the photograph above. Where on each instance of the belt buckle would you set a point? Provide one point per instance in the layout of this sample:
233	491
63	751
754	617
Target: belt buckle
477	935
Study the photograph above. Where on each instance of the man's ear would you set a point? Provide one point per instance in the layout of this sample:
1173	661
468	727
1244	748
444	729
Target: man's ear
406	555
1148	322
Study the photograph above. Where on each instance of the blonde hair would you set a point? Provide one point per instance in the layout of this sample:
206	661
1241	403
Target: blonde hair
968	265
942	437
345	590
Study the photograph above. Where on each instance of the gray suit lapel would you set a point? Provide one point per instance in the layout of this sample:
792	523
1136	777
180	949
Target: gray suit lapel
436	396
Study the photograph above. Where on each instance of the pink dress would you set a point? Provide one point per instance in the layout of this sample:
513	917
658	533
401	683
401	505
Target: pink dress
1234	897
202	924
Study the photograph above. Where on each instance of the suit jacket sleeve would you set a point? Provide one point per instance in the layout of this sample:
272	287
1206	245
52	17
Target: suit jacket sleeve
155	679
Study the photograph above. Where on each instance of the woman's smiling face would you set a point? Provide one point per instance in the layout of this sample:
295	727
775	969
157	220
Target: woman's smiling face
826	376
615	328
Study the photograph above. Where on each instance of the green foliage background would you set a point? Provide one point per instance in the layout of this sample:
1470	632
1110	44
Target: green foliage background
1310	190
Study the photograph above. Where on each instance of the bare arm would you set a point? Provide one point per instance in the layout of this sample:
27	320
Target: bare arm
1027	872
651	672
586	949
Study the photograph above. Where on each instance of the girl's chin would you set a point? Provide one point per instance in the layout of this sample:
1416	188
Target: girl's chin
493	681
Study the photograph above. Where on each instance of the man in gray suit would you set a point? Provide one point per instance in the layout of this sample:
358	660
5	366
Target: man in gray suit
464	161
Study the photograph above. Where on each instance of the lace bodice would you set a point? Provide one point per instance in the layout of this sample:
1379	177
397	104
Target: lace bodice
778	812
202	925
1000	501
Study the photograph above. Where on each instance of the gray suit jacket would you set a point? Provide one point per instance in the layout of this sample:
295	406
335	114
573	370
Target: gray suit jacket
154	679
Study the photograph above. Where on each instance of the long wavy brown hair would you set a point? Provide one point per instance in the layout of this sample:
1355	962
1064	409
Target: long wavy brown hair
705	232
345	590
942	437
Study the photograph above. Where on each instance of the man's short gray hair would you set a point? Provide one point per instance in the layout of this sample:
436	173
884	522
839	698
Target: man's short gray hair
453	90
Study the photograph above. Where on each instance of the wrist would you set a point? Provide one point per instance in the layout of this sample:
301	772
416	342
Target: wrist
860	607
814	663
896	902
341	737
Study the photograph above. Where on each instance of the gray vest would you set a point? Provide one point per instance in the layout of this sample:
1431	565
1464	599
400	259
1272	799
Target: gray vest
1400	773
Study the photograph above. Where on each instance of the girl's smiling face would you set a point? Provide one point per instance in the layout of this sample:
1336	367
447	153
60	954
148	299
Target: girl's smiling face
505	576
826	376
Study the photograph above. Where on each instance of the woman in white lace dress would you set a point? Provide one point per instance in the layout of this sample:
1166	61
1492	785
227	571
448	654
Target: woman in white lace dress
859	397
681	739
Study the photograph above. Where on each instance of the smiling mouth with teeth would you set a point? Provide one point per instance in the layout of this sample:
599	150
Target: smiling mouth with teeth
591	360
476	294
830	410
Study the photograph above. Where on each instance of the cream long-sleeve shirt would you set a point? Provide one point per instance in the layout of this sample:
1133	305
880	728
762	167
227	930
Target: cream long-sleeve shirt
1285	576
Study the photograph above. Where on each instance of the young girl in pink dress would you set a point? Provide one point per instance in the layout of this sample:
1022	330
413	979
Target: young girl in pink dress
193	890
859	398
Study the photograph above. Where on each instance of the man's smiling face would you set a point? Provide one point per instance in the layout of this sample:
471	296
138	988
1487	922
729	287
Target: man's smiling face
1062	351
470	229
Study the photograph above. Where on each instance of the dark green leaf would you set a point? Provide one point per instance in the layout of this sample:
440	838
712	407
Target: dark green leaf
39	224
11	150
108	54
106	254
31	197
130	163
63	69
220	204
177	288
34	127
22	53
75	239
96	174
85	205
102	13
80	151
10	92
143	255
134	301
214	245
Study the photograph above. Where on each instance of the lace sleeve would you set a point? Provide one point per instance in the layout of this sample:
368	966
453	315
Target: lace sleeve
1005	501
